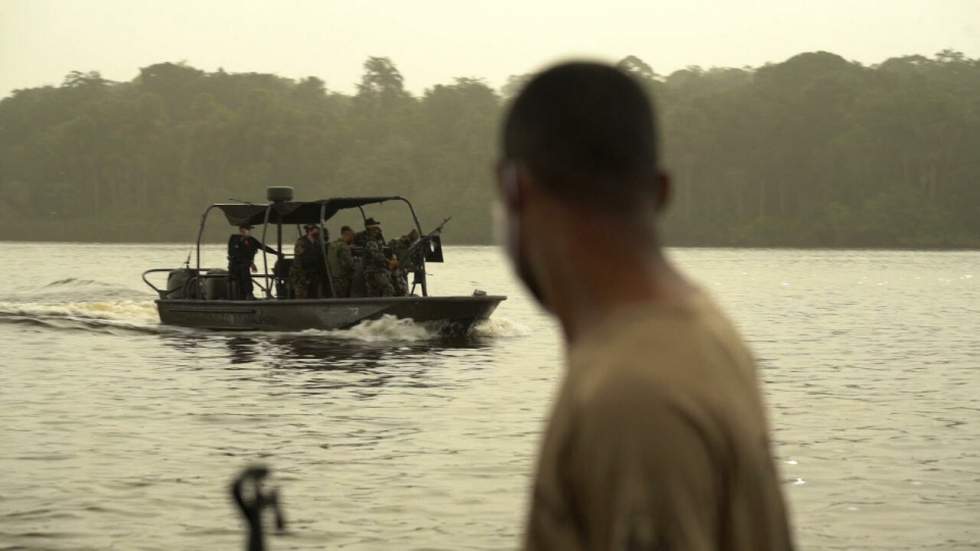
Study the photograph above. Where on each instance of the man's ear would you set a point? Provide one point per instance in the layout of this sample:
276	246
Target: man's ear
665	191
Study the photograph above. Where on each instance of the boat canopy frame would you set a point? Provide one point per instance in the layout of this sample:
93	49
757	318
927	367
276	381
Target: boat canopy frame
301	212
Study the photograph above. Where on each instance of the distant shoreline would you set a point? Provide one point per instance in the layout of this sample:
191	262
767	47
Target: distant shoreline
814	152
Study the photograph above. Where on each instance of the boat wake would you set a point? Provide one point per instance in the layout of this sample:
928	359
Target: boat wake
495	328
389	328
80	304
385	328
73	290
111	317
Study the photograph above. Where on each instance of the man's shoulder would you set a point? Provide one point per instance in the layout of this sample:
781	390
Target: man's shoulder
647	334
692	358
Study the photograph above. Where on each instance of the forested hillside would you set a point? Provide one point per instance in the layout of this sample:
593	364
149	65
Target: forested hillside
813	151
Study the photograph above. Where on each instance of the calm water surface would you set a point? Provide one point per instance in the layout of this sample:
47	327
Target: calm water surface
119	433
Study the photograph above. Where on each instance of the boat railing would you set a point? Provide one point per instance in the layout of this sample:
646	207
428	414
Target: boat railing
195	287
163	293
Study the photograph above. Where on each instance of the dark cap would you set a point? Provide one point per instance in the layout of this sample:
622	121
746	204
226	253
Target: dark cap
345	229
371	222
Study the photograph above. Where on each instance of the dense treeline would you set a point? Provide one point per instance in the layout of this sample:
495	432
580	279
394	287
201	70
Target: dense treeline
814	151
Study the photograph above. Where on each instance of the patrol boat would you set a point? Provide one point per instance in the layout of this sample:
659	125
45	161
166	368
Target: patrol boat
203	297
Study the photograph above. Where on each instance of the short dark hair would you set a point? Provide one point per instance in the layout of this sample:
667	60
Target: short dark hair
345	229
585	131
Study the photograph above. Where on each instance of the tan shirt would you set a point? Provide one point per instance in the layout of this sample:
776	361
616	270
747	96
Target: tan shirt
659	441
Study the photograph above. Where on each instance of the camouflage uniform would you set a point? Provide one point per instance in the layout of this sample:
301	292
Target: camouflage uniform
399	276
341	263
357	288
361	238
399	282
299	280
377	278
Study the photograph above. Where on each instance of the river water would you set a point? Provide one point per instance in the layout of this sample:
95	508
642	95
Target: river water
119	433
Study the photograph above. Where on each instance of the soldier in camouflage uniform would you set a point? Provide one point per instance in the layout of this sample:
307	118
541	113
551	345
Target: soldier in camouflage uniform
402	265
377	275
341	263
299	279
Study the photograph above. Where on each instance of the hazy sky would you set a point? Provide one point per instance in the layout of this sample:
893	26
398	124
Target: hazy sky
434	41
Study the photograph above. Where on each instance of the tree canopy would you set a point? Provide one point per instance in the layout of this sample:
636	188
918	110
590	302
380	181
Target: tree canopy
813	151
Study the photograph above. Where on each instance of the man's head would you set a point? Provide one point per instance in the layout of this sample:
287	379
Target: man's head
579	150
586	134
372	226
244	229
347	234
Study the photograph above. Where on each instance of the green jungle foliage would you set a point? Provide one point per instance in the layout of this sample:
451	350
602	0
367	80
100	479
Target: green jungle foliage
813	151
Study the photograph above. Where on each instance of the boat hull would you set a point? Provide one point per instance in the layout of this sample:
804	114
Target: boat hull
452	315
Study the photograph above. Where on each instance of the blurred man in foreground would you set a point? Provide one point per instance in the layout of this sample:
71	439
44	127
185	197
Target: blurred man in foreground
658	439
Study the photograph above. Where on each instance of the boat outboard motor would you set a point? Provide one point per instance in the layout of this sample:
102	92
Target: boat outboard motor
216	285
178	283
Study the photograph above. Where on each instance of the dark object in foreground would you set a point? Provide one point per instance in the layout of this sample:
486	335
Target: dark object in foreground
206	298
253	500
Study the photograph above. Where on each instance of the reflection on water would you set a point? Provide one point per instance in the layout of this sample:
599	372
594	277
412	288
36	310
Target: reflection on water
372	360
118	432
